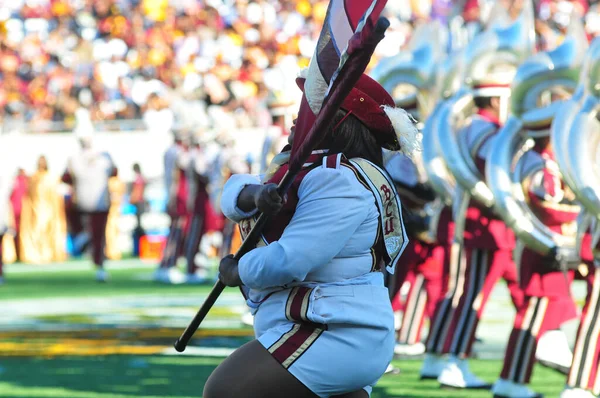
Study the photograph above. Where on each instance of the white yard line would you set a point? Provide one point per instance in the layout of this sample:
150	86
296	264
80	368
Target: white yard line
200	351
79	266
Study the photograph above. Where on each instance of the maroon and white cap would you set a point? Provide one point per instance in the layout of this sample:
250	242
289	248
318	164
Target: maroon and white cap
370	103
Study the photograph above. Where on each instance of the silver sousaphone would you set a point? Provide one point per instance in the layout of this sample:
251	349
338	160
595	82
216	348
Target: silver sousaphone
490	61
449	81
579	142
564	144
538	82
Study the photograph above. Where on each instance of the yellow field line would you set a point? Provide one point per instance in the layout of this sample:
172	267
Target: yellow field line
71	349
122	334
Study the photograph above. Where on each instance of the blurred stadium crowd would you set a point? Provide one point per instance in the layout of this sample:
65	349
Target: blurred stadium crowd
165	65
71	63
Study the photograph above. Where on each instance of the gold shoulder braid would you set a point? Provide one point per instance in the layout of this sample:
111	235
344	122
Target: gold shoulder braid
388	203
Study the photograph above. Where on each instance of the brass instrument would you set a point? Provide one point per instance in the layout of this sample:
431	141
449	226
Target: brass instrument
577	144
490	63
537	91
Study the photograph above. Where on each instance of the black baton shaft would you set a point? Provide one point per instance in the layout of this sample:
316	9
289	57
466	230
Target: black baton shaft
248	244
349	74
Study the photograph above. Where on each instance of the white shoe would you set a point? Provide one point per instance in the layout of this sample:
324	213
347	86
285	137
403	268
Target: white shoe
397	320
409	349
197	278
432	366
509	389
101	275
174	276
569	392
456	374
248	319
391	369
170	276
553	351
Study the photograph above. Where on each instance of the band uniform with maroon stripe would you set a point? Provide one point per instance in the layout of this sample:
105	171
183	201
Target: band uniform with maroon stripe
320	324
583	380
178	210
201	212
476	266
548	302
303	328
339	227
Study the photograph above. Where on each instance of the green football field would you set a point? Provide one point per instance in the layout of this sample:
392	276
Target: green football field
64	335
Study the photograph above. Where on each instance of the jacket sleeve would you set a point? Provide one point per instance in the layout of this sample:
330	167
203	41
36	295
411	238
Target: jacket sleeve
332	205
231	191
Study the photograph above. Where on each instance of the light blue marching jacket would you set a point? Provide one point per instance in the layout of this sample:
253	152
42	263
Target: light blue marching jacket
323	270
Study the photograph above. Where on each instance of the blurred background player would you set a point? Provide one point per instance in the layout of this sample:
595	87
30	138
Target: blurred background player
484	248
90	171
201	213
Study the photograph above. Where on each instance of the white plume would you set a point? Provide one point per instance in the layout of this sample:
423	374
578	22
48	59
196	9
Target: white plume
303	73
407	133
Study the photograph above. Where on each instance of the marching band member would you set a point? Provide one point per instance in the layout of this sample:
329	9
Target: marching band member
448	74
201	210
548	302
484	250
89	172
212	160
177	207
582	381
333	278
487	255
580	168
323	319
540	85
486	258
